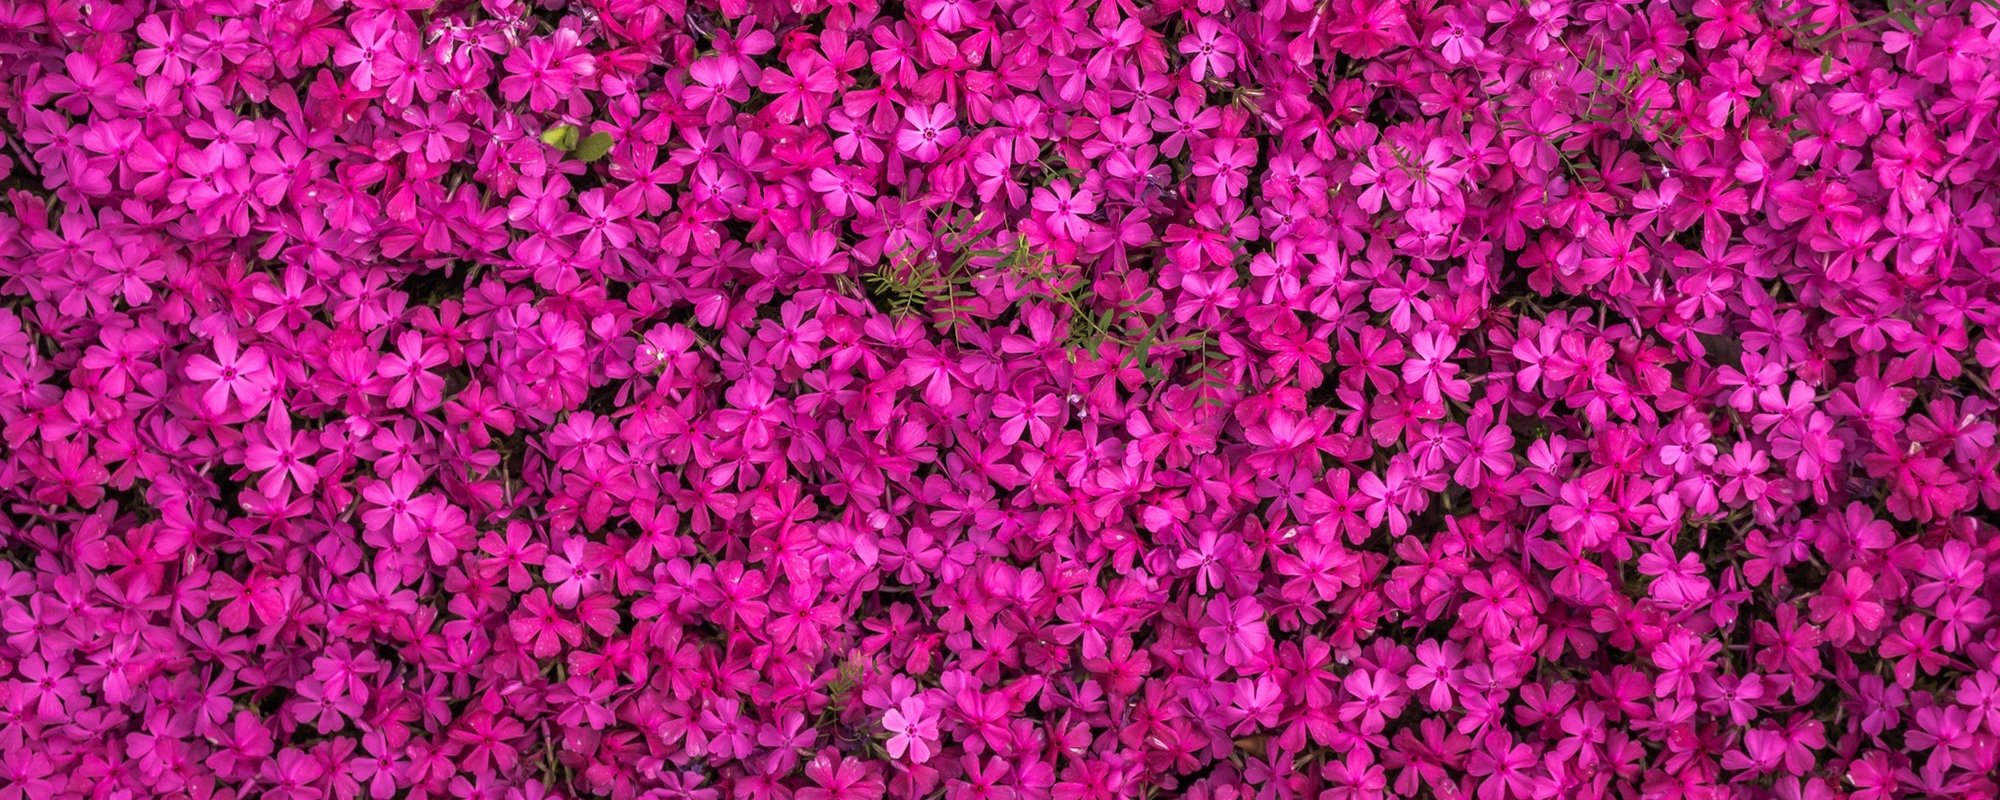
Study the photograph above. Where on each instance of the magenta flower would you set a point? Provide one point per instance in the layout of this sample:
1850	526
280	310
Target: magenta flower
912	730
927	133
241	374
1844	605
1065	208
1211	50
1236	630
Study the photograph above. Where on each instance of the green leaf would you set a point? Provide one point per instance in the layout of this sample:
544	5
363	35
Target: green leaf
594	146
560	137
1142	354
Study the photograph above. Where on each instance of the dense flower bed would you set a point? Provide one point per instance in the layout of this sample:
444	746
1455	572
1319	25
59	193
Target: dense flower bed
999	399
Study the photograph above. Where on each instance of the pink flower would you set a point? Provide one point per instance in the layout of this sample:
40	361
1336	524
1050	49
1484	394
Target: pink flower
1843	605
1676	581
243	375
539	626
838	778
546	69
912	730
1236	630
282	456
1211	50
927	133
1065	208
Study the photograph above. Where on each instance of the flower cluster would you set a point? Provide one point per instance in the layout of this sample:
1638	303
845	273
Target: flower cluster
999	399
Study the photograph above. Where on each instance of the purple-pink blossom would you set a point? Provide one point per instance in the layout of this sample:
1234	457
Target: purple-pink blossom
999	400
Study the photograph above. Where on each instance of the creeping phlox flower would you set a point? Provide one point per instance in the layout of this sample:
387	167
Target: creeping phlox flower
999	399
